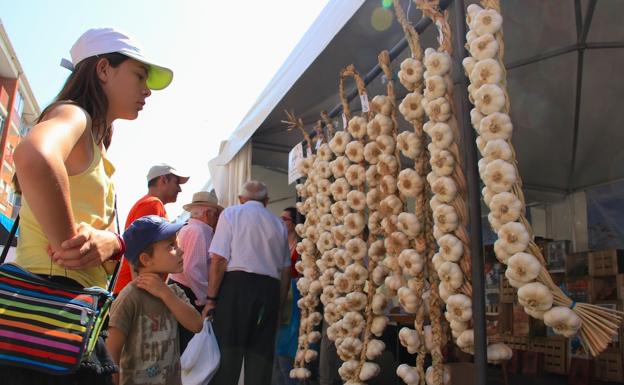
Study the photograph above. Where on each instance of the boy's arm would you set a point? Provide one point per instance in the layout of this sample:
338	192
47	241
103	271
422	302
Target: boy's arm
186	314
114	344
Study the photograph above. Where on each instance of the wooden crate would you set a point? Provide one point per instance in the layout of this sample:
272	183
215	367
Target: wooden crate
605	262
555	353
516	343
609	365
508	293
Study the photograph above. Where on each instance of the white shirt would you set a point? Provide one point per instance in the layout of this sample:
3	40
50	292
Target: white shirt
195	239
252	239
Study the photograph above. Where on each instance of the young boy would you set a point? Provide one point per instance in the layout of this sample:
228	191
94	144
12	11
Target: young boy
143	328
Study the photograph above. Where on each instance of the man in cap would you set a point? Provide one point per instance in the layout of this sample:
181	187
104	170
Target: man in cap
163	184
195	239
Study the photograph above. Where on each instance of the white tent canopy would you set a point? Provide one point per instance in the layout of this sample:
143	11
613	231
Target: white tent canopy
563	61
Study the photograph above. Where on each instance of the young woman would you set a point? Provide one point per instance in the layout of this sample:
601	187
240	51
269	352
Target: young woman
67	214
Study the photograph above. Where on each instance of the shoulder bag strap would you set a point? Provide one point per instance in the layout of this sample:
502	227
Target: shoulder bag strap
7	245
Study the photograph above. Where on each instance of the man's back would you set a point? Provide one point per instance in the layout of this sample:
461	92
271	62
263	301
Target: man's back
252	239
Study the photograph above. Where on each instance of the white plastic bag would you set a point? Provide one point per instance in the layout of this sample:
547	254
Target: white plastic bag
200	359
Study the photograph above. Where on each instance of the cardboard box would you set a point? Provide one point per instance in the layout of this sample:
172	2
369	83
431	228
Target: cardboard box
609	365
577	265
555	353
505	318
520	322
606	262
508	293
556	255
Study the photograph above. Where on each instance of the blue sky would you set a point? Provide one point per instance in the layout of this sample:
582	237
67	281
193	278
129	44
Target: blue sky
223	54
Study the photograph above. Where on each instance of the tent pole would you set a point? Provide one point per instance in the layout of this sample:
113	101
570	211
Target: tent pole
473	199
422	24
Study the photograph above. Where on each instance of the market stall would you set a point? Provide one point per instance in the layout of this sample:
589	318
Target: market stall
559	128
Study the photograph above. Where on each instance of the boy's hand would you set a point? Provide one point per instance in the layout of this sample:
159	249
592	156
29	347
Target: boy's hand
153	284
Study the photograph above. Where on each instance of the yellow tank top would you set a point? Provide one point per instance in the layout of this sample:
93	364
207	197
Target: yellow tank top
92	201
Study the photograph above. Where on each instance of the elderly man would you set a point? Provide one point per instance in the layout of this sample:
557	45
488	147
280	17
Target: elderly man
248	283
163	184
195	239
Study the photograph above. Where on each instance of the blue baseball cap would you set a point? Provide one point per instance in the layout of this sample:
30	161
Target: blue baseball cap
145	231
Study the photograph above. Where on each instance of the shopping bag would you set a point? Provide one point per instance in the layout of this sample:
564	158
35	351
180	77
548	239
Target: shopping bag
201	357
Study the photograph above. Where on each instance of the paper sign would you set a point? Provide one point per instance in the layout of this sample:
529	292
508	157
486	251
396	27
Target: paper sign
295	156
364	101
318	143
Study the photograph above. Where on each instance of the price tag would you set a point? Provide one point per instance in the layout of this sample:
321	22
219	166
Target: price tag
364	101
295	156
318	144
344	121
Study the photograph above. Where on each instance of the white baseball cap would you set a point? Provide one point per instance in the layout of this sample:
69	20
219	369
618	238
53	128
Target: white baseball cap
164	169
98	41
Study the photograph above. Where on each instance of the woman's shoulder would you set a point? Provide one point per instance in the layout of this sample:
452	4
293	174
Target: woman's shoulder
68	111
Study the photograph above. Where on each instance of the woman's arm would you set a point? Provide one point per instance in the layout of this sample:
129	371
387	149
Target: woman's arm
40	165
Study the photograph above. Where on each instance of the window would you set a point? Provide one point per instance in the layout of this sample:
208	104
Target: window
2	119
19	103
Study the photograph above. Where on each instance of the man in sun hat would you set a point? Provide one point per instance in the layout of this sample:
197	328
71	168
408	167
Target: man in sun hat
195	239
163	183
99	41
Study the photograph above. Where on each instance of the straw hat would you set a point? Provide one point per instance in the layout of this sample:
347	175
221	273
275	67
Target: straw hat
203	198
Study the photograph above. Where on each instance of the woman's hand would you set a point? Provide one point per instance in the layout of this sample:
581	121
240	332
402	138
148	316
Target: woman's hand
88	248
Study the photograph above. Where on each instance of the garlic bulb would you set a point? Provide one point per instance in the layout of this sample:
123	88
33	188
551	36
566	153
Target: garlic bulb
487	21
438	110
411	107
372	152
373	177
487	195
356	249
323	186
305	165
392	263
408	300
484	47
379	125
388	185
434	202
468	63
409	143
445	189
442	163
411	73
523	267
489	98
379	325
495	126
339	210
480	142
357	274
458	326
506	207
409	339
369	370
340	234
393	283
451	275
338	143
437	63
339	166
408	224
535	297
356	200
314	337
300	373
499	176
441	135
459	308
563	320
386	144
356	301
537	314
390	224
354	223
497	149
411	262
355	151
430	374
475	119
514	237
310	355
356	175
325	241
327	222
497	353
379	275
324	152
471	12
323	203
409	183
357	127
379	304
465	341
445	218
387	164
470	37
339	189
396	242
444	292
377	250
451	248
486	71
348	369
495	223
391	205
381	104
435	87
502	255
408	374
374	349
373	198
353	322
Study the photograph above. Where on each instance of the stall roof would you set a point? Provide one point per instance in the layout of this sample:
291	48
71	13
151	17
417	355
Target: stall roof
565	140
